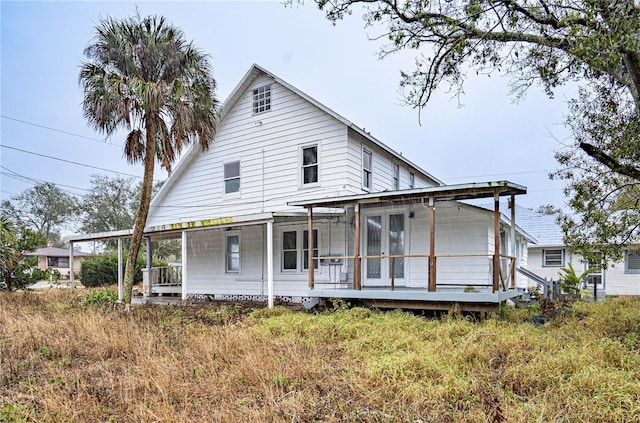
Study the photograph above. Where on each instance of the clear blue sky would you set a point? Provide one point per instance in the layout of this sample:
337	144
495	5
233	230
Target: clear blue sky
490	138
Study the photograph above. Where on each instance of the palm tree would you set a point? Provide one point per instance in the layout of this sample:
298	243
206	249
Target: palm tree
142	76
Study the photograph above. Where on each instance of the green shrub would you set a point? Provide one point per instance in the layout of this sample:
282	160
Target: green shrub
99	297
102	270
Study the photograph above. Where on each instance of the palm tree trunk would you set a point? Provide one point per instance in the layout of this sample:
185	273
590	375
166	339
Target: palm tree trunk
143	209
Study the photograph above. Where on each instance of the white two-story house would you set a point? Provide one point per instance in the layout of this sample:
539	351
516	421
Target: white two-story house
294	202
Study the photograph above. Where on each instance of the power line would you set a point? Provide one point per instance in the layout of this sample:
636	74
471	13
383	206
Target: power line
15	174
500	174
69	161
103	141
37	181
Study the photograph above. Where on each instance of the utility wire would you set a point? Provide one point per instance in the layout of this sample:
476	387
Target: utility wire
69	161
103	141
15	174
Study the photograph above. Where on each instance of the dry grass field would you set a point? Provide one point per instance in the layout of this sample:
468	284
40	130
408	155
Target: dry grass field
64	358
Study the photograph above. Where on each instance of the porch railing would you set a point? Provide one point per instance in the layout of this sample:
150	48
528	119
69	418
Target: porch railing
159	280
506	270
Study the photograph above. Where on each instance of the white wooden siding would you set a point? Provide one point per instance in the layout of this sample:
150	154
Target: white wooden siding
382	172
616	281
268	146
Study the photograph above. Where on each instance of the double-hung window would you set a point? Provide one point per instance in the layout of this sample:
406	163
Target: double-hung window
295	250
396	177
367	169
305	249
632	261
412	180
232	256
553	257
595	277
231	177
310	164
262	99
289	250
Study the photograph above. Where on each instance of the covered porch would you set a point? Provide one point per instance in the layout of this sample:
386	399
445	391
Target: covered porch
430	292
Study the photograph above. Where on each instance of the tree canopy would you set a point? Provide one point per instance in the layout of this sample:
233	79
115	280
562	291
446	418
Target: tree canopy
141	75
15	270
594	43
45	209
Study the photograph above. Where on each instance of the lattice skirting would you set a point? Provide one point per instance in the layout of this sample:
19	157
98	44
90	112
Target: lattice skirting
241	298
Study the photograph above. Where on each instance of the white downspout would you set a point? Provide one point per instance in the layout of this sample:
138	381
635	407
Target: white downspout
270	262
184	265
120	278
71	283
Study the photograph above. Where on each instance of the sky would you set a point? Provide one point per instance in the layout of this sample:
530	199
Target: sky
44	136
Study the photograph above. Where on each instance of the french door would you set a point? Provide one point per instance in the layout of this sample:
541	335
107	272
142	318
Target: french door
384	236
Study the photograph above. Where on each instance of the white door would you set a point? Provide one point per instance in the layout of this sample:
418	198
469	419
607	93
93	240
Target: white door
384	236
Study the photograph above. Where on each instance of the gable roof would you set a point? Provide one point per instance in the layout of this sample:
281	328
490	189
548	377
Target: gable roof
254	72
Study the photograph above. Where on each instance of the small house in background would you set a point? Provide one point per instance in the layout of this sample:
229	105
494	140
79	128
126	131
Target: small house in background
294	203
549	254
55	258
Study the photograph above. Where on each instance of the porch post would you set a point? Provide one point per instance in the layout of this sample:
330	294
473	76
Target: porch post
120	279
514	250
270	263
357	263
432	244
147	241
184	265
71	283
496	241
310	246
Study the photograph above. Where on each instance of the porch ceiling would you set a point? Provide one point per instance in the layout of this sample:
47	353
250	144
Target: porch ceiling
439	193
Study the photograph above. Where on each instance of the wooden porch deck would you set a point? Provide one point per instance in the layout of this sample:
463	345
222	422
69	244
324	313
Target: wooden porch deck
419	298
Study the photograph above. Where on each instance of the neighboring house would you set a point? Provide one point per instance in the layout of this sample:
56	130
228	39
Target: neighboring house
56	259
550	254
288	182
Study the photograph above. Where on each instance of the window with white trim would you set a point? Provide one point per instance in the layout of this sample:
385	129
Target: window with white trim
632	262
295	250
289	250
305	249
412	180
596	275
553	257
396	177
310	164
262	99
231	177
232	255
367	169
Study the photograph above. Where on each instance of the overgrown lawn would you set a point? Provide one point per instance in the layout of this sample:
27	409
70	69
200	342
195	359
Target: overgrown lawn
68	356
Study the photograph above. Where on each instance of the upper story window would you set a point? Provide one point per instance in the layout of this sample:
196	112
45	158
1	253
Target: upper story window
632	262
367	169
232	258
310	164
262	99
412	180
396	176
231	177
553	258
